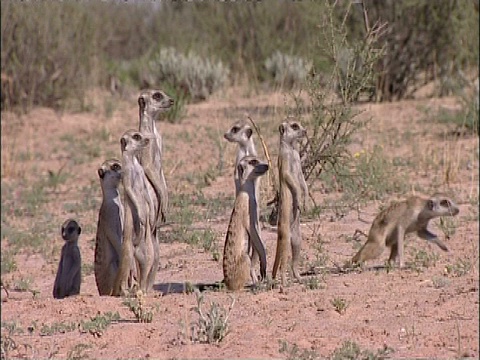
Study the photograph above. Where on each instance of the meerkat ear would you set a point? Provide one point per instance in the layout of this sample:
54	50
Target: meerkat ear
101	173
240	170
281	129
79	230
249	133
141	102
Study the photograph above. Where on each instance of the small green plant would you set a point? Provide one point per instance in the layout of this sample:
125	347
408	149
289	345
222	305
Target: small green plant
349	350
212	326
448	225
423	260
461	267
8	262
440	282
78	352
23	284
58	327
293	352
99	323
142	313
11	327
313	283
339	304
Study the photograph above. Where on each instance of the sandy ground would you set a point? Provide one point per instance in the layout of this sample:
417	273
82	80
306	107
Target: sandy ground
424	311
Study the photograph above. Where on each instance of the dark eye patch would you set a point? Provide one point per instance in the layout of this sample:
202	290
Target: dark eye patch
235	129
116	167
445	203
137	137
295	126
253	162
158	96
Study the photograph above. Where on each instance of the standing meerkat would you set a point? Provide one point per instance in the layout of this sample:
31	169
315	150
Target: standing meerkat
69	274
137	235
108	241
293	192
241	133
243	227
151	103
392	224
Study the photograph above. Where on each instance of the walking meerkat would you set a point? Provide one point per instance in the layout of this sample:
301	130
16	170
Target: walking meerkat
69	274
138	207
151	103
292	192
241	133
108	241
393	223
243	227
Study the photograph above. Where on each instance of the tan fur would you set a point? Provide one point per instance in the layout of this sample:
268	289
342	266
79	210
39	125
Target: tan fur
108	242
243	227
69	273
293	191
392	224
241	134
137	244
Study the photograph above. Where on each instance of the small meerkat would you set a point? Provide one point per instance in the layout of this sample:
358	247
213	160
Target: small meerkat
292	192
137	235
108	241
151	103
393	223
243	228
69	274
241	133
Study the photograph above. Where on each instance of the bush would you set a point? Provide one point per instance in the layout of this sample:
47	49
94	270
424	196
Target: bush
286	70
198	78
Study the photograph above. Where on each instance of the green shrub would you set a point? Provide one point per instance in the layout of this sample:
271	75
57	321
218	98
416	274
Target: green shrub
287	70
197	77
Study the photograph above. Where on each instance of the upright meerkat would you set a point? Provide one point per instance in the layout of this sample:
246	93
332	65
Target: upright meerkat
241	133
393	223
69	274
137	235
151	103
243	227
108	241
293	192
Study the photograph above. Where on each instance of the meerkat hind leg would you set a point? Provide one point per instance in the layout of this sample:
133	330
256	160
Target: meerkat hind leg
296	243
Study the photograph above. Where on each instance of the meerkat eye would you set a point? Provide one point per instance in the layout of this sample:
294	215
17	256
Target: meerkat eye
235	129
158	96
116	167
295	126
137	137
254	162
445	203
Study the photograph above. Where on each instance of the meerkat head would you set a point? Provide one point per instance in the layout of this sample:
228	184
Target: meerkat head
154	102
251	168
70	230
134	141
291	131
240	132
110	171
441	205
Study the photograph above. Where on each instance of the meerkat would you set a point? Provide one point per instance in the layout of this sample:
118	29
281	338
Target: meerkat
138	208
108	241
293	192
241	133
392	224
150	104
69	274
243	227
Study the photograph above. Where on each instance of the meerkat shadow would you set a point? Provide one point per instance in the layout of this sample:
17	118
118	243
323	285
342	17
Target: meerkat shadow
185	287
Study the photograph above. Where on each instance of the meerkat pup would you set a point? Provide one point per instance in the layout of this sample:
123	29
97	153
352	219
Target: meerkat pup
137	235
69	274
392	224
108	242
243	227
151	103
293	192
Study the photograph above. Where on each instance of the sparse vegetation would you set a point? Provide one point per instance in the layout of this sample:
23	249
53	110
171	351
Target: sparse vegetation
137	305
212	326
339	304
293	352
349	350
